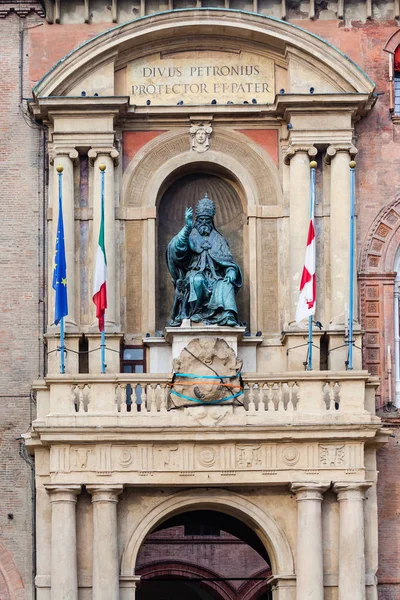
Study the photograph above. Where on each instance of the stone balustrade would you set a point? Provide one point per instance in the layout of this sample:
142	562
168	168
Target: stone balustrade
145	399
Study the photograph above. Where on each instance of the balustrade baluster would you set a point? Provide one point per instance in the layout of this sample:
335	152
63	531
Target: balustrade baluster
163	403
281	406
252	406
261	396
289	405
271	404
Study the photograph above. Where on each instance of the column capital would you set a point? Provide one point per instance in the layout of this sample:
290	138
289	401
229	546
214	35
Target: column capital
309	490
294	148
69	152
105	493
351	491
94	153
63	493
333	149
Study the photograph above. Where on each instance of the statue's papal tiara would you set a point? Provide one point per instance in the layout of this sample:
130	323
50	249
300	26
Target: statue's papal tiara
205	207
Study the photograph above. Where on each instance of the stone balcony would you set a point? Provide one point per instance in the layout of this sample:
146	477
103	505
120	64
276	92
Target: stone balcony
127	400
296	426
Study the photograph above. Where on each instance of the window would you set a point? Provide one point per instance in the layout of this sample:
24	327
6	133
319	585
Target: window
133	359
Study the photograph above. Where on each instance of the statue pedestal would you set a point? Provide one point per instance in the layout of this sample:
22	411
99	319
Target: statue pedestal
179	337
164	350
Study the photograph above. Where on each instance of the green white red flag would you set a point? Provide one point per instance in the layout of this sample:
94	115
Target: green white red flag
100	276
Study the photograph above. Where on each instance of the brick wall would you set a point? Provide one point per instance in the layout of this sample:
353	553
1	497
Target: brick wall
20	320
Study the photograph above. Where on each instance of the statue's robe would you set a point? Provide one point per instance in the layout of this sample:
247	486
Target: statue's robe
189	254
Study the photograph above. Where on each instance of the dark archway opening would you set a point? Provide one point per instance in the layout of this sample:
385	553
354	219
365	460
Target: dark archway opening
203	555
184	189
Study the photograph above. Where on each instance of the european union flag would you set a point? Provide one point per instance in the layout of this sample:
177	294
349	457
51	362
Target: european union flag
60	267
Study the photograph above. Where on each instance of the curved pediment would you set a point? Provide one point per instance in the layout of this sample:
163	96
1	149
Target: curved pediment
230	50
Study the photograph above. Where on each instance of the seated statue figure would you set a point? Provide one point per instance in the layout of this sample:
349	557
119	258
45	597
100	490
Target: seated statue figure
204	273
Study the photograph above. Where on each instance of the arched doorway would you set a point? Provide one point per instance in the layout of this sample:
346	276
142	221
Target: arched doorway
183	189
203	555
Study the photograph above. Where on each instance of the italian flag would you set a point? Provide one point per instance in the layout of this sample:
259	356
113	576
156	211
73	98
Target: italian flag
100	275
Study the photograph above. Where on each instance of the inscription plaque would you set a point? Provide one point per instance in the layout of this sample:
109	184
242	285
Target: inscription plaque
201	77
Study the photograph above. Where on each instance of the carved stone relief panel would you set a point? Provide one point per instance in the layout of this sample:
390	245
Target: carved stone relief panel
188	458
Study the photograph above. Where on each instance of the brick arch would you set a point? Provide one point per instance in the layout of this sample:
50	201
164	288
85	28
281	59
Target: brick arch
11	584
379	249
185	570
376	292
251	590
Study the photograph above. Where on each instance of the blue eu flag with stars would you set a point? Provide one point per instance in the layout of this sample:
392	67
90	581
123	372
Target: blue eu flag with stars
60	267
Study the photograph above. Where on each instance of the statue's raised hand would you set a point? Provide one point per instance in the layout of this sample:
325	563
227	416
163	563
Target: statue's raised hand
189	217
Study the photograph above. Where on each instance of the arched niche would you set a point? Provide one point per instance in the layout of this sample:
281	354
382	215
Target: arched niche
186	187
267	529
254	179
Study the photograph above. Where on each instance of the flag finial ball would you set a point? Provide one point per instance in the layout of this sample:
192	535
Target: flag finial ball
59	168
352	164
102	167
313	164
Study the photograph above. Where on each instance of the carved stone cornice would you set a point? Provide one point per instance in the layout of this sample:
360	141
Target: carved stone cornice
71	153
333	149
294	148
97	152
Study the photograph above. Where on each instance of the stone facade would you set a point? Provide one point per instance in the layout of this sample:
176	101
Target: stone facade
296	459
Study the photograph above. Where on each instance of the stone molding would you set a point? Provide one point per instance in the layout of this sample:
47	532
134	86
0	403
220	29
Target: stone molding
294	148
382	240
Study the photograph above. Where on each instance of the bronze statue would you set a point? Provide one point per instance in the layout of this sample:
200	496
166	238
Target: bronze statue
204	273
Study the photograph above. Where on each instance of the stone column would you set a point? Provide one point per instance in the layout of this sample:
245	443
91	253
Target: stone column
105	543
64	575
310	576
339	158
299	158
65	157
105	156
351	540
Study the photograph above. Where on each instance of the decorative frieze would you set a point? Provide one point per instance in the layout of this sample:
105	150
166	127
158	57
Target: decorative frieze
188	458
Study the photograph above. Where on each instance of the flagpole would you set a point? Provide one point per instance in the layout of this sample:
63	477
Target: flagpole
103	333
352	166
313	166
60	170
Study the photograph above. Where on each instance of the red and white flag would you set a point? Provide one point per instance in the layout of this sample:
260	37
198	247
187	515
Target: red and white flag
308	284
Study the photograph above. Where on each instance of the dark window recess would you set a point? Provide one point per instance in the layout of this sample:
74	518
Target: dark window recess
83	363
199	529
324	352
133	360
